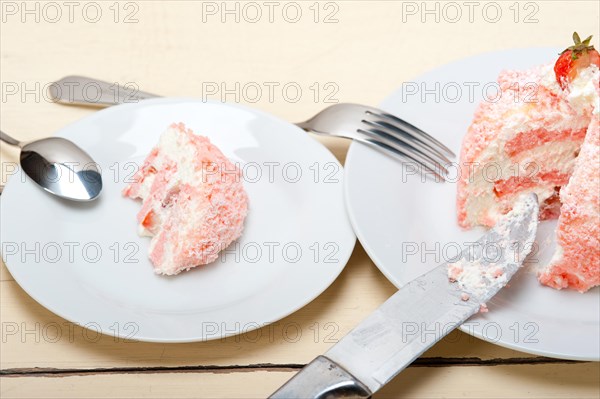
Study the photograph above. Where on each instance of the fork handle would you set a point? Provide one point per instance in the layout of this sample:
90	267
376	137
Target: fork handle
9	140
80	90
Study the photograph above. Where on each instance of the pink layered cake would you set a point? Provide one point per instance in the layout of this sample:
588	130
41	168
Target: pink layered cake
193	201
541	135
576	262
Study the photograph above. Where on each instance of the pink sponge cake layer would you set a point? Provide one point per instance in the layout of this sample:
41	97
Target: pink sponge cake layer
193	201
534	142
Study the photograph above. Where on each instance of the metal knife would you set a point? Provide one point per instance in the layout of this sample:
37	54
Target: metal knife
400	330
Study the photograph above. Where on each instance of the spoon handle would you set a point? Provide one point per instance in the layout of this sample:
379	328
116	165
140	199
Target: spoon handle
79	90
9	140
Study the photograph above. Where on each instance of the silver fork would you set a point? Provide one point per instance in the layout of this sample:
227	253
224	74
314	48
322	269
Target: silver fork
371	126
383	131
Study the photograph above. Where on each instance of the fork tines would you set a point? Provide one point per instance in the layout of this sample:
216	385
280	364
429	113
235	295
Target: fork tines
407	141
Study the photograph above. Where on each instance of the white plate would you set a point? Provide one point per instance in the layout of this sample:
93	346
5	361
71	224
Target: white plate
296	241
409	227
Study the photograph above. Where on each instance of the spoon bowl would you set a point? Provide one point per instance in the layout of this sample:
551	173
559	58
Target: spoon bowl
60	167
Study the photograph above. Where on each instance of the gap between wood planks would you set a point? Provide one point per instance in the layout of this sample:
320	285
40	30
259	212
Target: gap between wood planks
425	362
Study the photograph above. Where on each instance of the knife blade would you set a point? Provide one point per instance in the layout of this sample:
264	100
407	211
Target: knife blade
420	313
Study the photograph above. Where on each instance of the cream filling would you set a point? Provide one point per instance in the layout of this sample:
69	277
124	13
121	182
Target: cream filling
583	91
175	146
481	201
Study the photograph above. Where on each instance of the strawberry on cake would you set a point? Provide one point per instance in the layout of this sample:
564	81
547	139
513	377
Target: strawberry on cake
194	203
541	135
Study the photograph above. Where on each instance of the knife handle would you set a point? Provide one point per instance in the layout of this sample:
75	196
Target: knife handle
80	90
322	379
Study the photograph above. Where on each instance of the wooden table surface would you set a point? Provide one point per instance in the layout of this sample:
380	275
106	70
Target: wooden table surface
350	51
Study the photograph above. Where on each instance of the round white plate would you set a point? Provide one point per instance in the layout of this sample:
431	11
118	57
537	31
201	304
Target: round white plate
408	226
86	263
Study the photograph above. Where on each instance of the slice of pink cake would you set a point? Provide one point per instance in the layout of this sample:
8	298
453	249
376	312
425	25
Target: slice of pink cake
576	262
525	141
193	201
543	141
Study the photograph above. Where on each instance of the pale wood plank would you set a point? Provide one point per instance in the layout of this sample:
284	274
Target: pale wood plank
357	292
575	380
4	273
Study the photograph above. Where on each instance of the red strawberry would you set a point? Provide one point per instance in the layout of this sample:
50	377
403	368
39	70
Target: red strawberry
574	58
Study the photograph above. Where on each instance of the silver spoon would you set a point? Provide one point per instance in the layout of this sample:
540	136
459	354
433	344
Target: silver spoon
59	167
